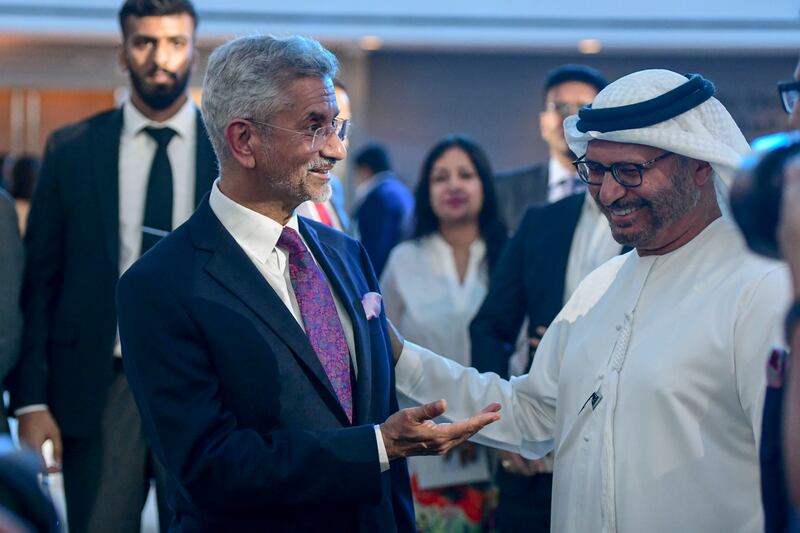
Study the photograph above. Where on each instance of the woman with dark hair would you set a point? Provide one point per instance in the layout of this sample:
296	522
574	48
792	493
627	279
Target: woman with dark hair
432	286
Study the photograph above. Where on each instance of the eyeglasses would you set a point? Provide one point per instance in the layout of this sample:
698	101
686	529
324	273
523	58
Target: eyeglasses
562	108
624	173
319	136
789	92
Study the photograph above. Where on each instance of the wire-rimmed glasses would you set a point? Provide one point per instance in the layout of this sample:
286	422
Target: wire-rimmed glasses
318	136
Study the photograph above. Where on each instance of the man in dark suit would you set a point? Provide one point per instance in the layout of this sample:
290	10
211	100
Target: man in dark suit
384	206
109	187
255	341
566	89
555	246
11	264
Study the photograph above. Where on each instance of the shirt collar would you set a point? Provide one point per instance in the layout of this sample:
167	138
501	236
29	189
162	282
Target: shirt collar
183	122
256	233
558	173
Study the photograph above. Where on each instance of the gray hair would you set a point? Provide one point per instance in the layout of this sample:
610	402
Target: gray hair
248	77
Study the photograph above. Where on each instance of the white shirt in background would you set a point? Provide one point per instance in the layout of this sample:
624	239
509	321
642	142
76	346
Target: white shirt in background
424	298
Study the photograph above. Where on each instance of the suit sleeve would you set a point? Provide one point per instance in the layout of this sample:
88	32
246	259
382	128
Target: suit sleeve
44	266
10	286
494	330
218	464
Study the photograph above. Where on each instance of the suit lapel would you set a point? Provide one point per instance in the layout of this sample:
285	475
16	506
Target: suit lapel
340	276
205	162
566	222
231	267
105	175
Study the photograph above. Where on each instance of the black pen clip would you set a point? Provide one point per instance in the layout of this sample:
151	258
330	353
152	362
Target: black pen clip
595	398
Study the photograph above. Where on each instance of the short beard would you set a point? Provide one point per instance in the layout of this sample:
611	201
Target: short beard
160	97
667	206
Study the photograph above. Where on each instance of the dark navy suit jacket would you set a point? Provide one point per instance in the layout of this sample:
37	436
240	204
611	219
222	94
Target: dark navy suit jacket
235	402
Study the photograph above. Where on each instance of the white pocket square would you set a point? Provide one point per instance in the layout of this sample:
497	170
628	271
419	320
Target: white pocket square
372	304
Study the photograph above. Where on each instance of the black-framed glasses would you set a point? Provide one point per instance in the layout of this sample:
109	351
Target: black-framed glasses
789	92
624	173
318	136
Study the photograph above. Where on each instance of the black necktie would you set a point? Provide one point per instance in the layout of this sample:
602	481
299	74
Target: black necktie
158	205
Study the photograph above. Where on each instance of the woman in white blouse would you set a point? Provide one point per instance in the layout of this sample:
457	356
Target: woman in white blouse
432	286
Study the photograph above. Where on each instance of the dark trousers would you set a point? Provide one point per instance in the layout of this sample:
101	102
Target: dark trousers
107	477
524	502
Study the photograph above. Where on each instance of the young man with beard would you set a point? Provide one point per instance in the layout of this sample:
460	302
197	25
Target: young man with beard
649	383
110	187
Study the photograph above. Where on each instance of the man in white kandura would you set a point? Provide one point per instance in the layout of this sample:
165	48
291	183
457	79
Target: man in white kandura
649	383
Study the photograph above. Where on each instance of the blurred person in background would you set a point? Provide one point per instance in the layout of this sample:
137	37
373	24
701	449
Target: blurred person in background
432	285
384	207
12	259
110	187
21	183
566	89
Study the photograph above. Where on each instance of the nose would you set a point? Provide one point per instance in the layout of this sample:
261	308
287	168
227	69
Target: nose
610	190
161	55
334	148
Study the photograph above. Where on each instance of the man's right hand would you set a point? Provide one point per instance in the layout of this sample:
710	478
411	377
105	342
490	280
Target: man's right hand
412	431
35	429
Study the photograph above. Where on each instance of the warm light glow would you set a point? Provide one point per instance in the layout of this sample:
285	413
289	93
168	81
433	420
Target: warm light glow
589	46
370	42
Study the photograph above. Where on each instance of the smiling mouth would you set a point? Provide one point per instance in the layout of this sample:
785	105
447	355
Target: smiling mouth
625	211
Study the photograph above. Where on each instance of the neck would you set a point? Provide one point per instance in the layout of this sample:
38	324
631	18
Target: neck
157	115
236	188
460	234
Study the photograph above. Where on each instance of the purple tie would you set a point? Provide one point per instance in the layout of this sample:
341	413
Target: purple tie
323	327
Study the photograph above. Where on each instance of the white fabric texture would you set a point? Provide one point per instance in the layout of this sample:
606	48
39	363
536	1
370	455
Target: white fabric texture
706	132
424	298
676	346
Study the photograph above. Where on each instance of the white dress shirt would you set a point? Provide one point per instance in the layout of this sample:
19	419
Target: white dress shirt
136	152
258	236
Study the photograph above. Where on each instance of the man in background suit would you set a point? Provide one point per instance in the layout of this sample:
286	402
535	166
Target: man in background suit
12	261
566	89
384	207
109	187
255	341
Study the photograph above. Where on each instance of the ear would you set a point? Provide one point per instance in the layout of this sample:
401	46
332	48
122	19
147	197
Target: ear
701	171
242	142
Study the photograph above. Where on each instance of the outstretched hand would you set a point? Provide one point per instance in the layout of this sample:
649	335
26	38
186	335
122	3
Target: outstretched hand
412	431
